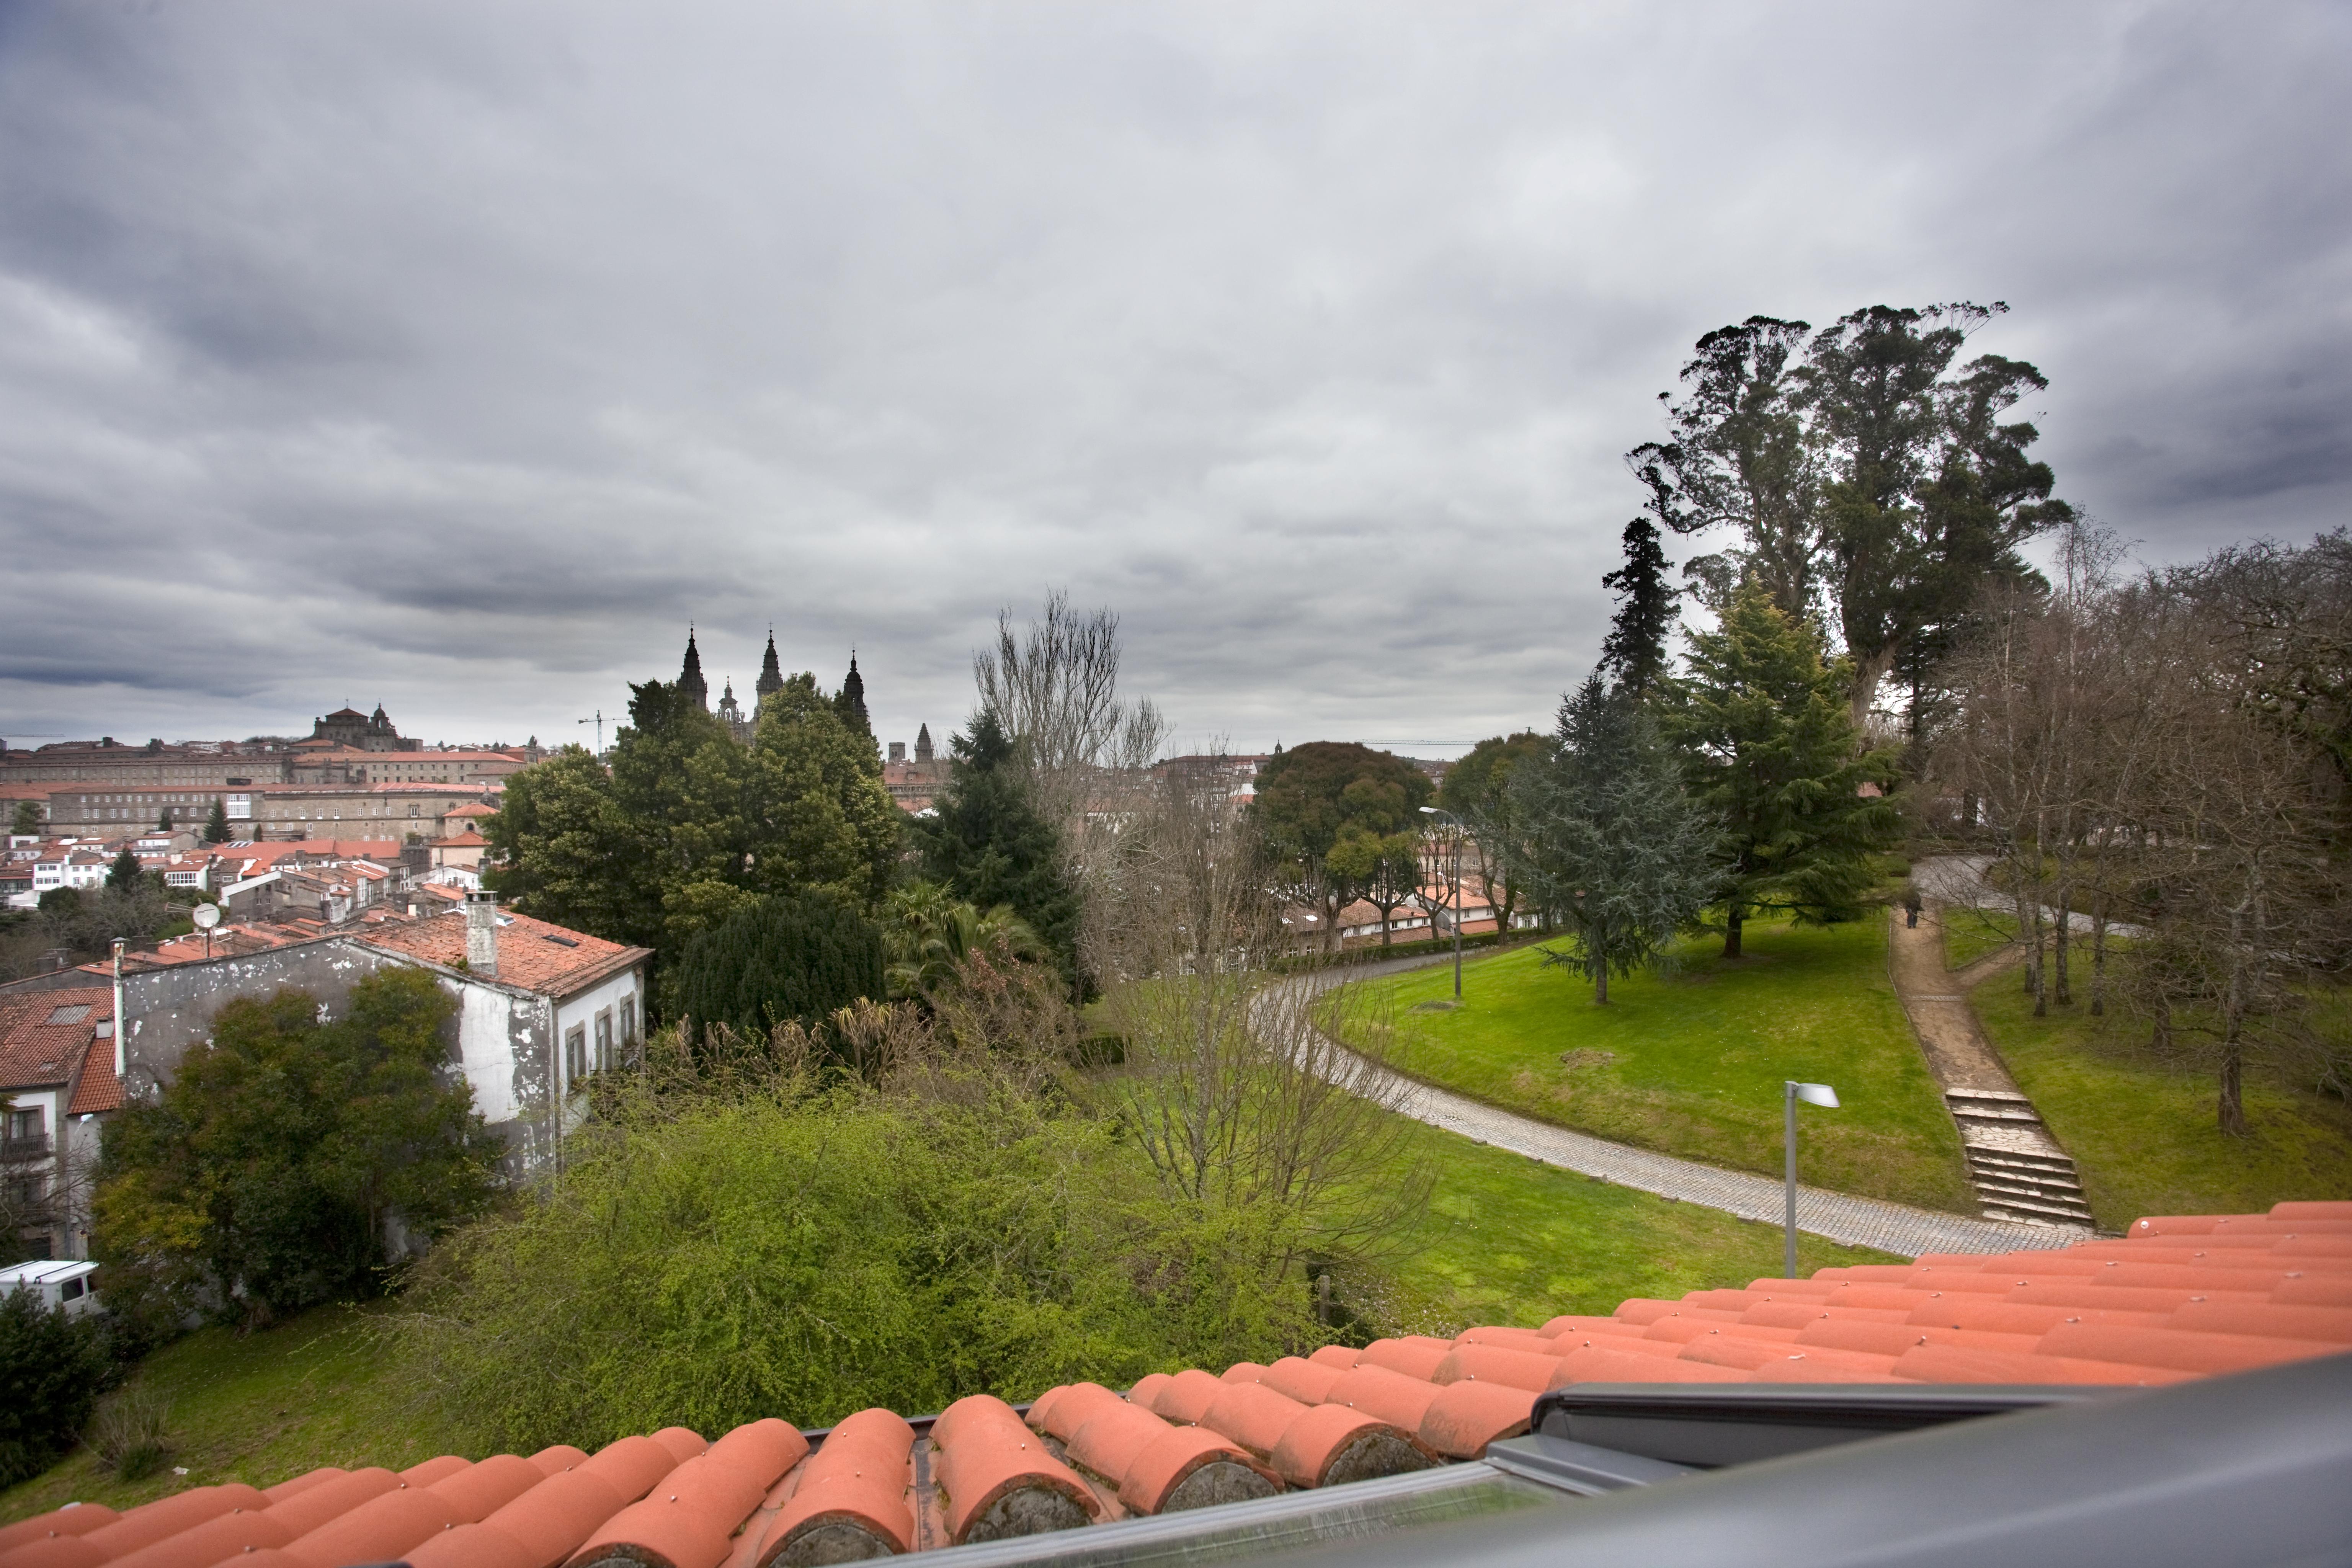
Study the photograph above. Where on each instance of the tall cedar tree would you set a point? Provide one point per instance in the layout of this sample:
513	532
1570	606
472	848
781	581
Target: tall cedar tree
1608	838
794	959
124	875
27	817
1770	746
262	1178
687	827
1633	654
1314	798
988	844
1477	790
1860	469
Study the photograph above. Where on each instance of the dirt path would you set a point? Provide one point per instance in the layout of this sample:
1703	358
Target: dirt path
1938	1002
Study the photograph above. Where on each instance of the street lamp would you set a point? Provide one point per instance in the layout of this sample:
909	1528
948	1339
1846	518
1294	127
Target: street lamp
1819	1094
1458	831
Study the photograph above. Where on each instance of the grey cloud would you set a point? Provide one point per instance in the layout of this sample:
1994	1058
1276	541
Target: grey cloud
460	356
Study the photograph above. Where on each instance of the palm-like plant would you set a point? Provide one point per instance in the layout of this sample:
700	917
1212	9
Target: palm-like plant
928	934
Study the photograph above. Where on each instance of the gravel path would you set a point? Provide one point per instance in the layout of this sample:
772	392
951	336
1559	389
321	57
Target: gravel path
1898	1228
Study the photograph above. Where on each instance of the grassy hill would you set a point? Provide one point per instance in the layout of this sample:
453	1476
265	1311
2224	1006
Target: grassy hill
1691	1061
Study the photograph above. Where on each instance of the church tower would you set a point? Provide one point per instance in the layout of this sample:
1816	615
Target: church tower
771	677
923	744
851	703
689	676
731	713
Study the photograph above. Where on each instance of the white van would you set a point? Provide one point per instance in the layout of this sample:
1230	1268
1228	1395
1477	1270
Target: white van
60	1283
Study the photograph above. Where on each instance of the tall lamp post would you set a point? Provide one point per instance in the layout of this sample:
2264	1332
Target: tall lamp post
1819	1094
1457	884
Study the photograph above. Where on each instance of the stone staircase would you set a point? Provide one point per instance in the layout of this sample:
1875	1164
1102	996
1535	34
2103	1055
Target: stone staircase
2019	1171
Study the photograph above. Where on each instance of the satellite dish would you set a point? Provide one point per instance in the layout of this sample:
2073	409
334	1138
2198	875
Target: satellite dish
206	916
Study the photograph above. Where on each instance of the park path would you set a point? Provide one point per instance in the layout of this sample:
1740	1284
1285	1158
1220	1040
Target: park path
1898	1228
2017	1166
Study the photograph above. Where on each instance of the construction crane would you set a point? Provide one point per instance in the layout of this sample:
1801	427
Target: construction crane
599	721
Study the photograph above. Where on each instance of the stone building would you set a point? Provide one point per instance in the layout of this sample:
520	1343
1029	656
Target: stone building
350	729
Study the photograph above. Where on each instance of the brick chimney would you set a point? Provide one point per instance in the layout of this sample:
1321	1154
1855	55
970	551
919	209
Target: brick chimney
482	934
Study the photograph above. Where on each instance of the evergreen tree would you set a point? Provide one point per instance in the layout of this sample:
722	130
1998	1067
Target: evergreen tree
1770	746
216	828
1316	797
1607	838
261	1178
1477	790
163	823
687	827
989	845
124	875
798	958
1633	654
27	818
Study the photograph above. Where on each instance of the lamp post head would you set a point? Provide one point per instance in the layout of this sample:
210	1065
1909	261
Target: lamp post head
1429	811
1819	1094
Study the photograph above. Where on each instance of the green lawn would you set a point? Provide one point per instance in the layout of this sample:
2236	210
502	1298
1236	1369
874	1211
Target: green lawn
2143	1133
1691	1062
1507	1240
1970	934
313	1391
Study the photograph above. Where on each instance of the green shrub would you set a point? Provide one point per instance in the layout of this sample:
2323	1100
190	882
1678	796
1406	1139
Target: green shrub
804	1255
52	1369
780	960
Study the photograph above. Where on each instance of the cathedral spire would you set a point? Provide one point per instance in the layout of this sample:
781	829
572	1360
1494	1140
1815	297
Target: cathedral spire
851	703
689	676
771	676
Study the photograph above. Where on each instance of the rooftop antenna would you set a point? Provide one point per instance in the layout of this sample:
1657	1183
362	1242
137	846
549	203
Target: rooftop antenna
599	721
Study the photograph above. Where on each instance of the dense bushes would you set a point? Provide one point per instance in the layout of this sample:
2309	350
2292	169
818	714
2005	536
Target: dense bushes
708	1258
266	1175
794	959
52	1368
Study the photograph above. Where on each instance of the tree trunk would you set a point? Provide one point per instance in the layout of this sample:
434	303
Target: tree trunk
1601	983
1732	920
2039	981
2099	954
1868	675
2061	936
2233	1032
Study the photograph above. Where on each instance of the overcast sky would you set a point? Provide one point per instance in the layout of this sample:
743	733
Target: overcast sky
454	356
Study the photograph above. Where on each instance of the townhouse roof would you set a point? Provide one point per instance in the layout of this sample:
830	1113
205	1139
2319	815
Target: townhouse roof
43	1034
97	1090
470	840
533	954
2180	1297
476	808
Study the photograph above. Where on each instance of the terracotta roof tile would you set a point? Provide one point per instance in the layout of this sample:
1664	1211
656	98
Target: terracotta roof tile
43	1034
534	954
2159	1308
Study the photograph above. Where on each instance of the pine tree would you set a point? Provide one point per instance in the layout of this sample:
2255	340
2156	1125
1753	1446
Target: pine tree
1606	836
216	828
1770	745
27	818
988	844
793	959
124	875
1633	654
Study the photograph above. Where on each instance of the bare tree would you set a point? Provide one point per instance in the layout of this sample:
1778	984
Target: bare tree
1054	688
1233	1090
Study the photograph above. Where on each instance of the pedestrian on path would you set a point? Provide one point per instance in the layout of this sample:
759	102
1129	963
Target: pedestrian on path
1911	905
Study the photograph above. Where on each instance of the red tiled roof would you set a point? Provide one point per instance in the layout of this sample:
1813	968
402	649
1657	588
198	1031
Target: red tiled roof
2180	1297
532	953
33	1051
470	840
98	1089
